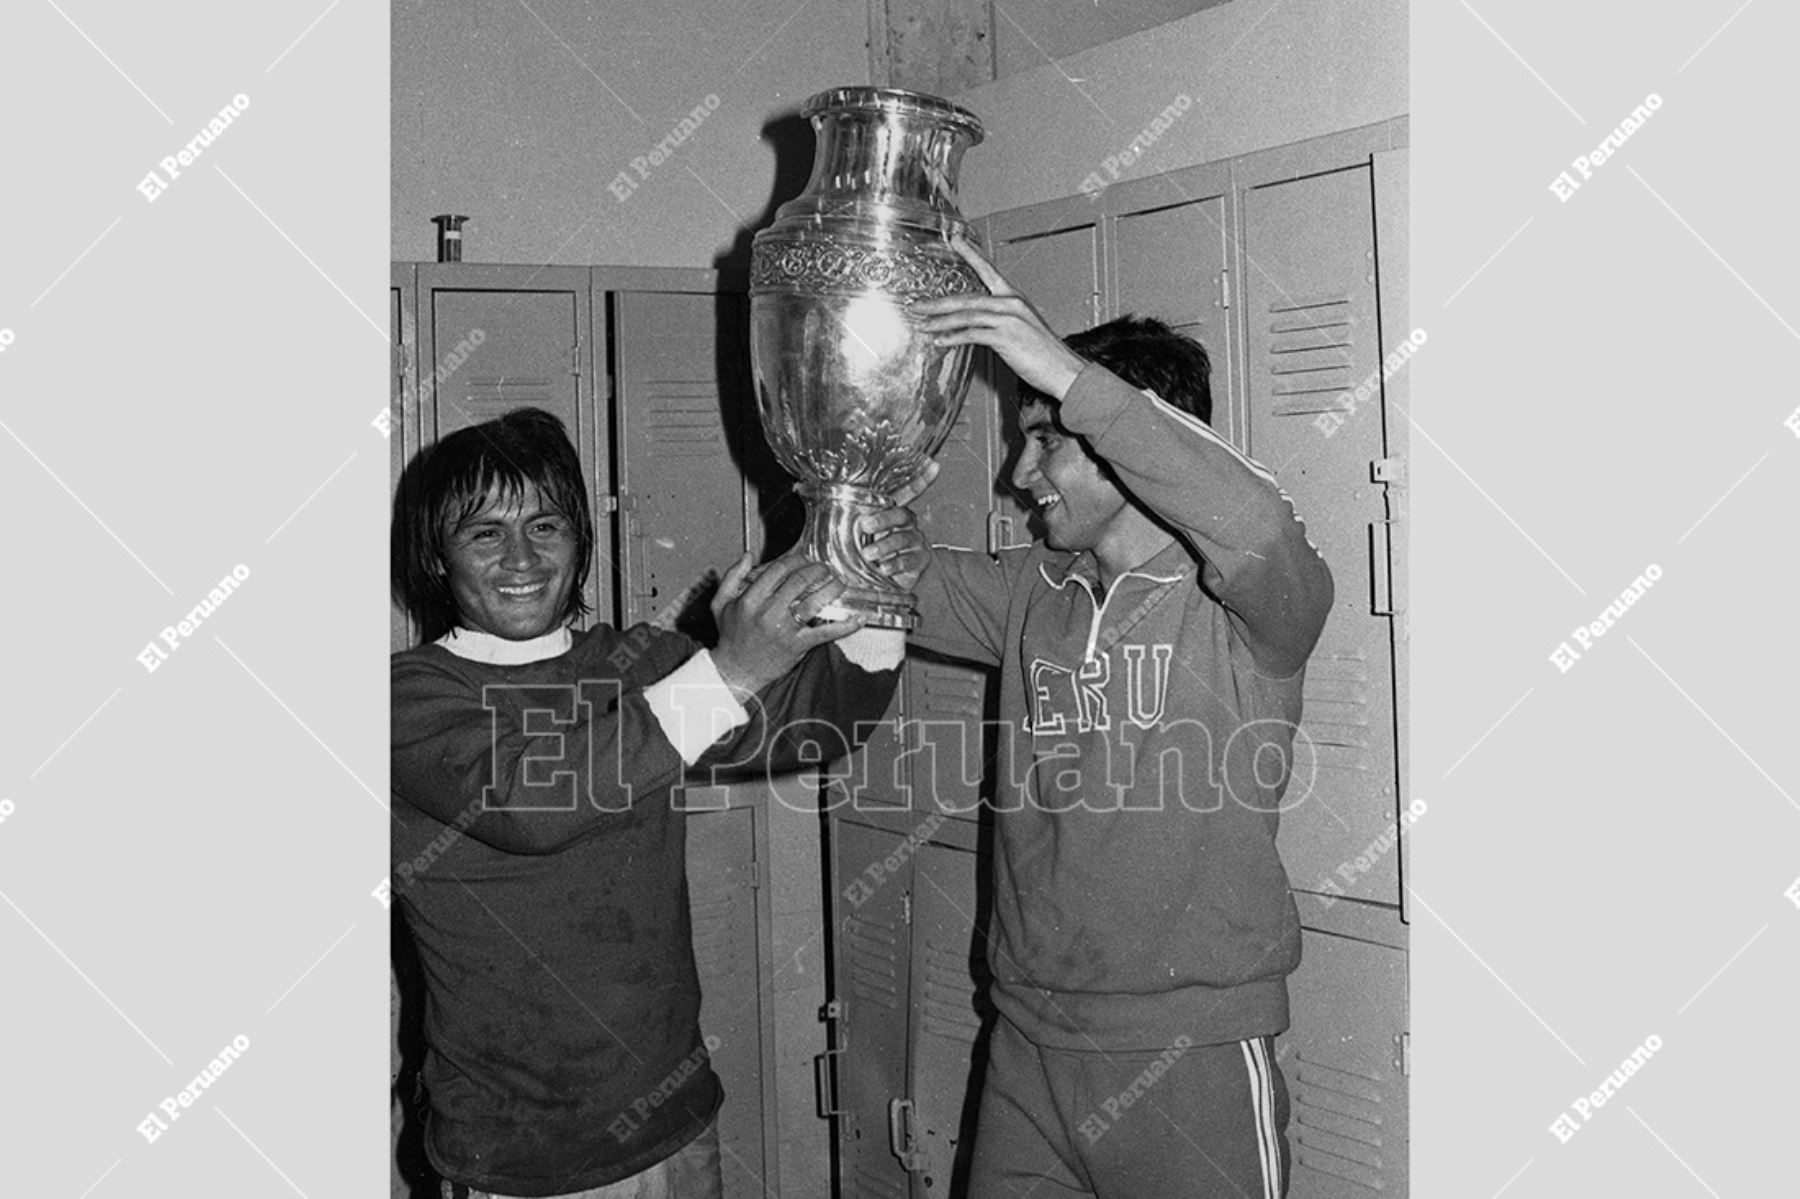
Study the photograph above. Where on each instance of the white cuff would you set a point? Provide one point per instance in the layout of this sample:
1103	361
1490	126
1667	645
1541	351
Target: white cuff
694	706
874	649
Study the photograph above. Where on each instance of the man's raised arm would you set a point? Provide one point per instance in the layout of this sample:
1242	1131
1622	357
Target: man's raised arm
1258	561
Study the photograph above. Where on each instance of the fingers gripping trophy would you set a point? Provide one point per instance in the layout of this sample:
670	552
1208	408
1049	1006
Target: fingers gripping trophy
855	397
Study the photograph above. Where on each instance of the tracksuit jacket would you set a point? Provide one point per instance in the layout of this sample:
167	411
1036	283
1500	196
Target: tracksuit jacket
1138	893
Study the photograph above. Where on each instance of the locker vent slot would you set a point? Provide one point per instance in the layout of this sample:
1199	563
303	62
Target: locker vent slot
1309	352
521	389
952	692
717	937
1336	719
681	420
870	1185
949	995
1337	1123
873	951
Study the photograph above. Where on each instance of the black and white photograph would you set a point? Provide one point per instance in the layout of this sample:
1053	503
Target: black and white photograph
1019	387
897	599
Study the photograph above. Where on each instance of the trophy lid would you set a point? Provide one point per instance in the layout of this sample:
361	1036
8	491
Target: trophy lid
894	102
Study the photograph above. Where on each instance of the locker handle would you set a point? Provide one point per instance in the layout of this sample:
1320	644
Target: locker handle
825	1088
901	1137
1381	582
637	579
1000	528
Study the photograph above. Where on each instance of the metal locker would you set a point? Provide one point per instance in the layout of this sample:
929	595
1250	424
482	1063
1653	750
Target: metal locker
947	700
1392	278
401	418
401	442
950	1012
1346	1066
1171	261
878	775
1053	256
499	338
1313	338
723	903
680	493
864	1074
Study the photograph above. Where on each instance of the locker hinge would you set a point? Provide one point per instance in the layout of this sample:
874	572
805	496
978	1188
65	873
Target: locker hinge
1225	289
755	873
575	360
608	505
906	907
1406	1054
402	360
1388	470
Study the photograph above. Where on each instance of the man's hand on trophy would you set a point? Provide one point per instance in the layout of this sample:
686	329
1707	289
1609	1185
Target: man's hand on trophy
764	618
892	541
1005	322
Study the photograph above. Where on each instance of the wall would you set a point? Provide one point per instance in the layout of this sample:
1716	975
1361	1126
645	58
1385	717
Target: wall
521	116
1260	73
1028	36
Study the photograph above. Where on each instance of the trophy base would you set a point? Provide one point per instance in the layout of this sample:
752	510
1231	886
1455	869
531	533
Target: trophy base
832	510
879	610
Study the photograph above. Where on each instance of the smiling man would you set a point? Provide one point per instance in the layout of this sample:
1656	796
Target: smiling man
539	855
1152	650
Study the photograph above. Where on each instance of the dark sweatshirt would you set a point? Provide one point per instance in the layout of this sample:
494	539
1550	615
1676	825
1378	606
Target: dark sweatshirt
562	1003
1138	893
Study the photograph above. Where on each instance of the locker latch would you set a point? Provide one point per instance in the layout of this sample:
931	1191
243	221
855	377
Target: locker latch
1388	470
903	1138
1381	583
999	533
825	1083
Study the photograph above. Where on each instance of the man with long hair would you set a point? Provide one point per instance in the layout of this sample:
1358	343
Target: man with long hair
539	855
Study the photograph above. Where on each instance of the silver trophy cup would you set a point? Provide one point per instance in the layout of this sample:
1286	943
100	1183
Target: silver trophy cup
853	398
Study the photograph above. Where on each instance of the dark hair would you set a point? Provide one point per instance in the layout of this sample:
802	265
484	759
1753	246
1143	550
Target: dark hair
450	482
1145	352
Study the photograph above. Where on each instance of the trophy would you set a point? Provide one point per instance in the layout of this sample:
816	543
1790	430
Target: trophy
854	399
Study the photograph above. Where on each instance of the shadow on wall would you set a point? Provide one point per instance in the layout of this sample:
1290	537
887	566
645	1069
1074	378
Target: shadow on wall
781	512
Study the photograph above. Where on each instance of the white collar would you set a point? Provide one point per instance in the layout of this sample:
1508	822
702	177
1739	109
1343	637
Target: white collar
479	646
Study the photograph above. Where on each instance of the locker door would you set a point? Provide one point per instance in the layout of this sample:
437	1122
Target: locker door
1391	227
871	982
1052	254
491	348
1309	301
681	495
1171	262
1059	264
722	899
1345	1066
949	1008
403	406
400	632
946	700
